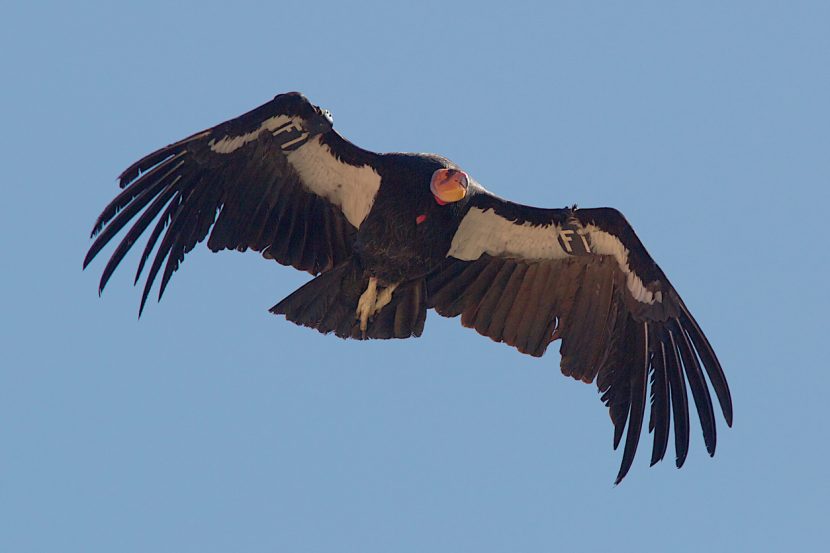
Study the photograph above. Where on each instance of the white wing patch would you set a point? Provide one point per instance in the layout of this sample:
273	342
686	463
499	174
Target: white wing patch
230	144
351	188
485	232
604	243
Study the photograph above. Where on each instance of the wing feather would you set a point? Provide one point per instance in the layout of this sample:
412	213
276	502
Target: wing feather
132	235
120	217
446	294
487	308
168	217
537	333
679	398
537	278
639	361
497	326
700	393
659	417
710	361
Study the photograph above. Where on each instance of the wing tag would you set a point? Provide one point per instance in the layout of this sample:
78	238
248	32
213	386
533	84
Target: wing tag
573	239
291	136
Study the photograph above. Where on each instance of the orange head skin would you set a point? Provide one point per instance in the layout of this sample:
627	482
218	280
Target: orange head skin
448	185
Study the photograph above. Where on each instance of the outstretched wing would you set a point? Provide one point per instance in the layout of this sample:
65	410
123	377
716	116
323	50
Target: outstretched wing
527	276
277	179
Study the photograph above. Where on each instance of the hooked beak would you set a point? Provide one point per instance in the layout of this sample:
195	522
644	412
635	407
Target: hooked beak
448	185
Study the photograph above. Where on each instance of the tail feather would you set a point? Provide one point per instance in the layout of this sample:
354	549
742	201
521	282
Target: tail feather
328	303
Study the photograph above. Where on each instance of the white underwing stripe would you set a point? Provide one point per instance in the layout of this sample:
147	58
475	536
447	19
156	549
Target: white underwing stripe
351	188
230	144
607	244
485	232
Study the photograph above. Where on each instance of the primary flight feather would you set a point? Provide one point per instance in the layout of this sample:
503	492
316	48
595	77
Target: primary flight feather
389	236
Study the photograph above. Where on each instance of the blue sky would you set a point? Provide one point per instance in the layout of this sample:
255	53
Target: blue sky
210	425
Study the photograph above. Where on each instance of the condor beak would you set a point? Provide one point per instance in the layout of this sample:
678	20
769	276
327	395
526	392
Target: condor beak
448	185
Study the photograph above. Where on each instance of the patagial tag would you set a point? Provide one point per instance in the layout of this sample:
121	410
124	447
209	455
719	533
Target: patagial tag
291	136
573	239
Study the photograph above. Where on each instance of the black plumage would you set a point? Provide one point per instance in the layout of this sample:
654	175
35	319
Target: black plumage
389	236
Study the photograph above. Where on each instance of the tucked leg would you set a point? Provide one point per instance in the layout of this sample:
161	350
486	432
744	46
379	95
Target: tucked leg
384	297
366	303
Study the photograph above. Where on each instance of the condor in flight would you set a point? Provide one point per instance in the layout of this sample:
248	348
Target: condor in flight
388	236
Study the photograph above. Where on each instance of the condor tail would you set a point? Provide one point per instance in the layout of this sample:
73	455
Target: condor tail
328	303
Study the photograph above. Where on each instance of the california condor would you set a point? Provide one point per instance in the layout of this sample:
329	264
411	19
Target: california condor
388	236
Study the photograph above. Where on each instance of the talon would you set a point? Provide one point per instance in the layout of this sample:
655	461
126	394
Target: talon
371	302
366	304
384	297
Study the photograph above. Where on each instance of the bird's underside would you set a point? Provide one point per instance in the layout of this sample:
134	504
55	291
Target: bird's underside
389	236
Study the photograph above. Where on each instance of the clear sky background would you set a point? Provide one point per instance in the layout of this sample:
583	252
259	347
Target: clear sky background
212	426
